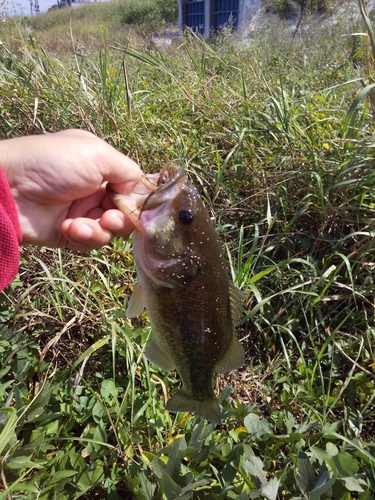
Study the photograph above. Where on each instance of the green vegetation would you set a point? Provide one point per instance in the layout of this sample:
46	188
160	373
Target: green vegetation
278	134
293	6
151	14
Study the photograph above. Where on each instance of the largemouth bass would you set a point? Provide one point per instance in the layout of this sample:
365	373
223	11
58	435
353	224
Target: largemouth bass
184	286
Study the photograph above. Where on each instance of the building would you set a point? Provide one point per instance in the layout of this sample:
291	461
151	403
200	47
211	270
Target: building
206	16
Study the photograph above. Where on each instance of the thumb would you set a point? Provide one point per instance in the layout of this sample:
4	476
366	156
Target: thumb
119	170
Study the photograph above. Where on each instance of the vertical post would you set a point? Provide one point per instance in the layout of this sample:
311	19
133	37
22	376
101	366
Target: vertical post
180	17
240	15
208	17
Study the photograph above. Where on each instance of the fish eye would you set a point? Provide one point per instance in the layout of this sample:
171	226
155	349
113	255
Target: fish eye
186	217
163	179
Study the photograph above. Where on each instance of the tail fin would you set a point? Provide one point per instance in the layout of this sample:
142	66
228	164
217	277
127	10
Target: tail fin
208	408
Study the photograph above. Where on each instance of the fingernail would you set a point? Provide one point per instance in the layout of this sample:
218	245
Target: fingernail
85	232
117	223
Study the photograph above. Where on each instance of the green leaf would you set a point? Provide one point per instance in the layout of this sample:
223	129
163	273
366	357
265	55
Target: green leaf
200	434
271	489
308	427
323	484
22	486
254	466
83	481
332	449
229	472
100	434
257	427
146	486
97	476
339	492
343	465
20	462
305	478
354	443
320	454
32	447
169	487
187	492
176	455
349	121
353	484
98	412
158	467
8	430
38	405
241	496
332	427
4	386
61	475
108	388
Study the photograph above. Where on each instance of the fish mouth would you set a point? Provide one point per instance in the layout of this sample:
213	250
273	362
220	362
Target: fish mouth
148	194
164	191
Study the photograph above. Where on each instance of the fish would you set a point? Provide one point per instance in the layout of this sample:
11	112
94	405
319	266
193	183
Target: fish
184	285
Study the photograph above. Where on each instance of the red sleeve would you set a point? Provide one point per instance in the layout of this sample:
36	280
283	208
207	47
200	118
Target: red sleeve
10	234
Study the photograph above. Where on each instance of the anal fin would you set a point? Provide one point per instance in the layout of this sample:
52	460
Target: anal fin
158	357
233	358
236	303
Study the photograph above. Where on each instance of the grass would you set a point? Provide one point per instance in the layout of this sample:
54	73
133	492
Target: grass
278	136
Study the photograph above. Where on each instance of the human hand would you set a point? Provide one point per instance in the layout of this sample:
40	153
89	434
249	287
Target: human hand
58	183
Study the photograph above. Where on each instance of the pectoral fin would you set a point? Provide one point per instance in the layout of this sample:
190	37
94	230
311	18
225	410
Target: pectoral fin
233	358
208	408
174	273
236	303
157	356
136	302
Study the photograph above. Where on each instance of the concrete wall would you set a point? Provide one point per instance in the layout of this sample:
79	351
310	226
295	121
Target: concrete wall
246	11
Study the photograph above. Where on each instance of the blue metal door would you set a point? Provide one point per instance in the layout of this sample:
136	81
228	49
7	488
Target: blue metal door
224	11
194	15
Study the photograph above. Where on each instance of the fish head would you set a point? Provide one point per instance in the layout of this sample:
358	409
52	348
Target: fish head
169	219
